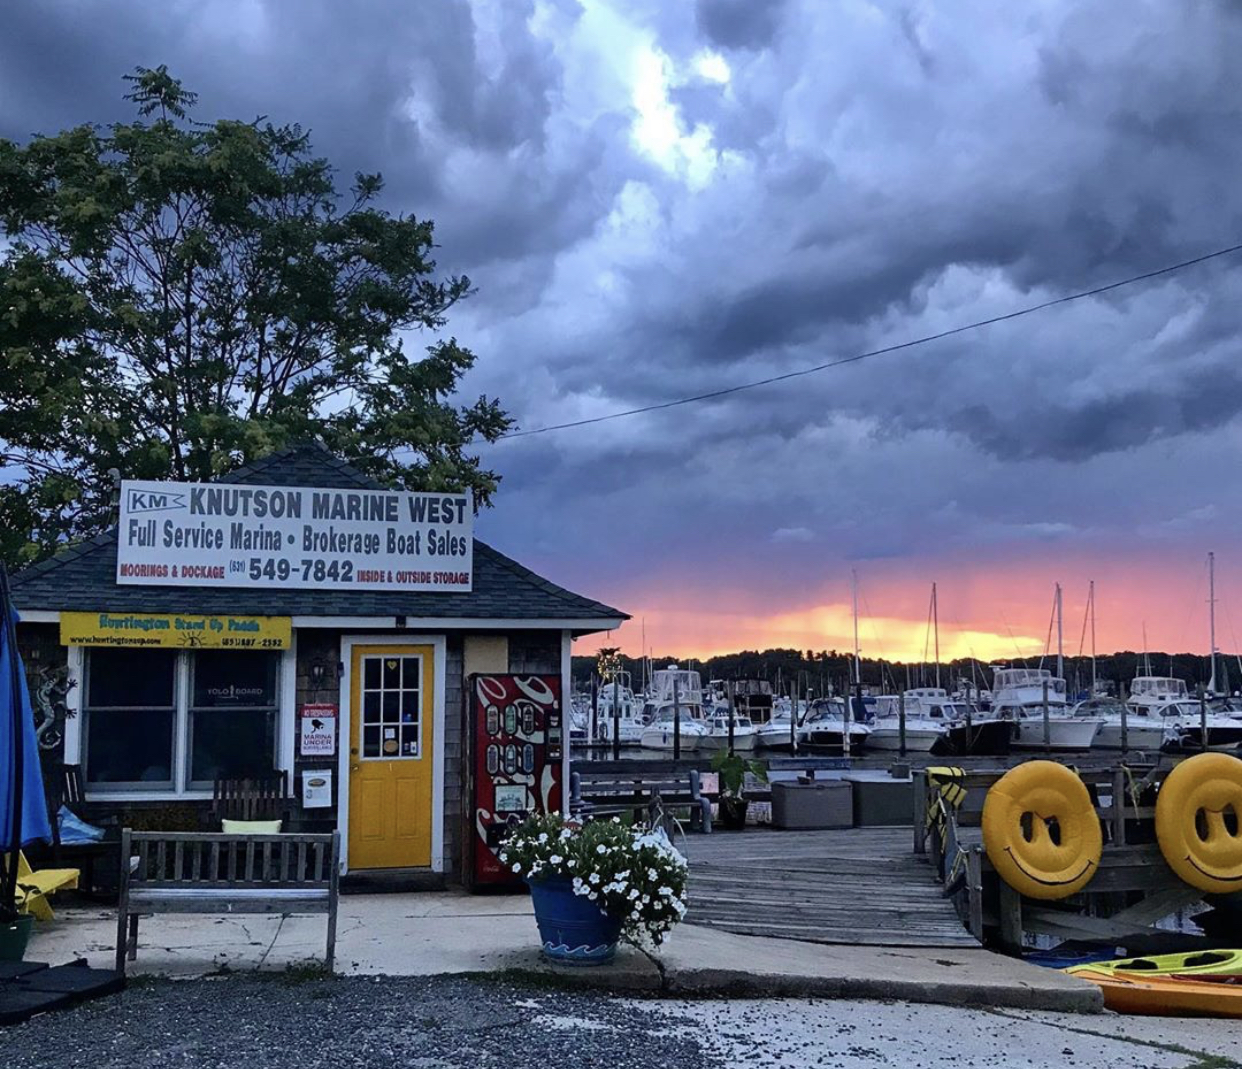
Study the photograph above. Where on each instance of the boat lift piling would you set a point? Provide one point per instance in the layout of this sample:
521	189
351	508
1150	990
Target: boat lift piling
594	707
1047	722
676	720
616	719
901	723
1203	728
731	698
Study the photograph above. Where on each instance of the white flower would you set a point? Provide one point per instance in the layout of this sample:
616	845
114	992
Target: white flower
652	874
573	863
665	891
555	859
543	836
601	849
633	893
594	877
517	867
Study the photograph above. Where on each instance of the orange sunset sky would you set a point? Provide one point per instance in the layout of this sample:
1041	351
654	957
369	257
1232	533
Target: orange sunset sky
993	612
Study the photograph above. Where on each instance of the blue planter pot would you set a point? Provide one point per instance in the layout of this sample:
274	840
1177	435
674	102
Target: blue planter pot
572	928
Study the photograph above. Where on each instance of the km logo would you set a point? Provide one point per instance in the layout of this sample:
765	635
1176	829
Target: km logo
154	501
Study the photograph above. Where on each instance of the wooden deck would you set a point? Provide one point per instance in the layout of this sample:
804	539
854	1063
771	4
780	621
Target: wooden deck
861	886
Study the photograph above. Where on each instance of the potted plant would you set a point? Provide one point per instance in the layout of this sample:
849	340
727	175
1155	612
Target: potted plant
15	926
597	883
732	769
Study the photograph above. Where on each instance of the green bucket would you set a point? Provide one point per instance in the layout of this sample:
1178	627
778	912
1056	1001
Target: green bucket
14	935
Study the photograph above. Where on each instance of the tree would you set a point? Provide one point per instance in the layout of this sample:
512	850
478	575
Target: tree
179	298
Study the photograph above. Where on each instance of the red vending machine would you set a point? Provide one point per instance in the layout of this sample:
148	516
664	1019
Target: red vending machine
516	725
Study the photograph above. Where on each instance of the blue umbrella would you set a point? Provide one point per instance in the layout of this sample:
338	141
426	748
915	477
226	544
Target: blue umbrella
23	808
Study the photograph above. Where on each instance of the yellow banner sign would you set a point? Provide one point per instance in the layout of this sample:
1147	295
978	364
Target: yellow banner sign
175	630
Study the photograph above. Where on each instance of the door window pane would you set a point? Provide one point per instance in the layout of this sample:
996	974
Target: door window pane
391	707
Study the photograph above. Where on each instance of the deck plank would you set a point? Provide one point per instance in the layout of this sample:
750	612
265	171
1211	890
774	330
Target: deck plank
858	885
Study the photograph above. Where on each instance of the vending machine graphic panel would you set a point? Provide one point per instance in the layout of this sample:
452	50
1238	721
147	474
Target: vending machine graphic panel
517	729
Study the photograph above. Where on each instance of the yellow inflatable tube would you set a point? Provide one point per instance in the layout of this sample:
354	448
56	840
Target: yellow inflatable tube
1040	830
1199	822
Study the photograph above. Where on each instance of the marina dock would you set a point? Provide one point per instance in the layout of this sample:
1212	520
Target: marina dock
858	885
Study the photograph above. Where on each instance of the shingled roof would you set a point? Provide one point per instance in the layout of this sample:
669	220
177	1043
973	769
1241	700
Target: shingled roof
83	577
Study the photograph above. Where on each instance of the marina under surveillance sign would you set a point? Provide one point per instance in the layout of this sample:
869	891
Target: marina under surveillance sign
293	537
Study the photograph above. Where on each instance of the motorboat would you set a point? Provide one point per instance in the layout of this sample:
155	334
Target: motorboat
745	736
1020	696
777	733
926	722
618	711
661	733
1185	720
1144	730
676	703
825	725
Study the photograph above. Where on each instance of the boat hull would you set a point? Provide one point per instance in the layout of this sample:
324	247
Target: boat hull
984	737
1139	736
918	740
1064	733
743	742
659	739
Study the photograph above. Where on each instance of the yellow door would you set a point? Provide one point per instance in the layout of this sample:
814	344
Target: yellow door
390	762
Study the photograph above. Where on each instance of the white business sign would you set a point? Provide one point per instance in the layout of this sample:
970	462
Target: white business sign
295	537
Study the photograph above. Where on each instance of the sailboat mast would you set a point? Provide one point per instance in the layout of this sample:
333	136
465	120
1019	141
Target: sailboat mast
1091	603
1060	638
857	665
1212	618
936	632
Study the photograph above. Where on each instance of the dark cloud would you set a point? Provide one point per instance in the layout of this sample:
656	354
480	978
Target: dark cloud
658	200
739	23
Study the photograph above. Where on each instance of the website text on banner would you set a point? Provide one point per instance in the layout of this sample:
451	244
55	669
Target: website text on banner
190	534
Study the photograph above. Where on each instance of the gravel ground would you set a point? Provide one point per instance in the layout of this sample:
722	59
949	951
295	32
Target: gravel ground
286	1022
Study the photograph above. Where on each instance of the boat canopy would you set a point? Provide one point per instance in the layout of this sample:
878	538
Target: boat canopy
687	683
1158	687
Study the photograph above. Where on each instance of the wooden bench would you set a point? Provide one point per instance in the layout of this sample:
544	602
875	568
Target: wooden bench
254	798
607	792
208	872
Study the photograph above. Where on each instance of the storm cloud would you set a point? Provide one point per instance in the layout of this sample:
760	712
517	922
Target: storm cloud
659	200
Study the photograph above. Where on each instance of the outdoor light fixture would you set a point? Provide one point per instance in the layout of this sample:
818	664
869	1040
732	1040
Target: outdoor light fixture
318	670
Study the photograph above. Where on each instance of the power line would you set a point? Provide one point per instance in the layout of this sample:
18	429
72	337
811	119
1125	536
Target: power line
858	357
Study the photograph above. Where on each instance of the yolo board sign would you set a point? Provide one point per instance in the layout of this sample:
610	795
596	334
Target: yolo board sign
293	537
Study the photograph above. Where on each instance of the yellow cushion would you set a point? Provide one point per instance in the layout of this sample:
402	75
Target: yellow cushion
251	827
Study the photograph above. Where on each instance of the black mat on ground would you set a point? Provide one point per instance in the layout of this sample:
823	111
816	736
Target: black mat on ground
75	980
18	1004
30	987
11	970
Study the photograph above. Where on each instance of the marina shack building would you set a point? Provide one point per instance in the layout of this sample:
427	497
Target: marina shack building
340	682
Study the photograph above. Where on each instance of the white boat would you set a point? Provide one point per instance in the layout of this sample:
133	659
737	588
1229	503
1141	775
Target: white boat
1168	699
1019	695
676	694
825	726
926	721
618	711
745	736
661	733
776	733
1144	730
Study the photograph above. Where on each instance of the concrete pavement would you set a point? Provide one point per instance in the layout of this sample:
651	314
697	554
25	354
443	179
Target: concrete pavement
447	933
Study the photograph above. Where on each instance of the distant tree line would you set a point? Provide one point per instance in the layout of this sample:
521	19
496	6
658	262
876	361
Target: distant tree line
830	671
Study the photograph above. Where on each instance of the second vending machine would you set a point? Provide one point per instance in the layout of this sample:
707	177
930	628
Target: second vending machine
516	725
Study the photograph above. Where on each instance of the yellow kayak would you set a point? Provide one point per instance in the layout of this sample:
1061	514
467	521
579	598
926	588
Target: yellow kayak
1191	964
1165	996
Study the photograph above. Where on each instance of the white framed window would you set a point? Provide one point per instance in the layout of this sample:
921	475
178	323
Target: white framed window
174	721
